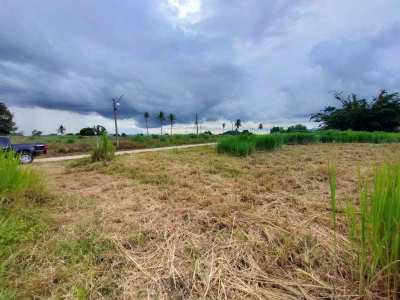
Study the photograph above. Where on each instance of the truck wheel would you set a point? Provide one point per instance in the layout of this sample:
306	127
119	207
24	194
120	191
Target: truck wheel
26	158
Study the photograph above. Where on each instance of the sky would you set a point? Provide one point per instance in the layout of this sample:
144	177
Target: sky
268	61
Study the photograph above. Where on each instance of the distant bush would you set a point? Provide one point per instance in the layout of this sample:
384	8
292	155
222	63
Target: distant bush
290	129
297	128
104	150
70	141
140	138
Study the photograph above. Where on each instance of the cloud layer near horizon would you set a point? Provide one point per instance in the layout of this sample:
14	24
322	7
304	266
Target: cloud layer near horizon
254	60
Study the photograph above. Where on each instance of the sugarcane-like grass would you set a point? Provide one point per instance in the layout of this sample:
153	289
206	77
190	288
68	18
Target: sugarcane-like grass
242	145
374	227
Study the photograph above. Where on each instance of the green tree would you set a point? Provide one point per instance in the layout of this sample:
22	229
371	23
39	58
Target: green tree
238	124
7	125
277	129
297	128
161	117
36	132
381	113
172	119
61	129
88	131
146	117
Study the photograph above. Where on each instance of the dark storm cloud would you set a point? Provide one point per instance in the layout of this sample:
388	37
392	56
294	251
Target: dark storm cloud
253	59
366	63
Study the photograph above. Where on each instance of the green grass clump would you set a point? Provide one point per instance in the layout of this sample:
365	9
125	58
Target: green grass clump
16	179
243	145
70	141
89	249
21	221
268	142
374	228
19	224
104	150
237	145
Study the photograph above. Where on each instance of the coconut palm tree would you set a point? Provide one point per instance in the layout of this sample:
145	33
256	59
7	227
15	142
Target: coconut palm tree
238	123
161	117
61	129
260	126
172	119
223	126
146	117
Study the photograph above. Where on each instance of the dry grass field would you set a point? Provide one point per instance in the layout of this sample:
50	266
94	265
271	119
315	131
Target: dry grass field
190	224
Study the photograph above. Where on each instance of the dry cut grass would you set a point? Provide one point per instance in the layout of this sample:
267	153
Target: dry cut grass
190	224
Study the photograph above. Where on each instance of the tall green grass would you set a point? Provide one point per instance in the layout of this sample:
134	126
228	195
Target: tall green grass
348	136
20	220
104	150
374	227
246	144
16	179
242	145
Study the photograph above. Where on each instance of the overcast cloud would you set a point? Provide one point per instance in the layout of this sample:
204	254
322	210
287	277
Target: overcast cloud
261	61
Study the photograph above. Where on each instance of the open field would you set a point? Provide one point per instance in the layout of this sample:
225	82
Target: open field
193	224
73	144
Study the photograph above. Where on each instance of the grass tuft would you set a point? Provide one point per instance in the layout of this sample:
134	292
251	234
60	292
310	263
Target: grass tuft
15	178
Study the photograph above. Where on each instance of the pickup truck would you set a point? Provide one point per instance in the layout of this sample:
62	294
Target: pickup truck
26	152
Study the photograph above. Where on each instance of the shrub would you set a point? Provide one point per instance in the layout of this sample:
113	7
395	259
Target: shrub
374	227
277	129
104	150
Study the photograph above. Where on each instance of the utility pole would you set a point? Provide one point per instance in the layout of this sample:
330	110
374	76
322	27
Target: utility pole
196	122
115	110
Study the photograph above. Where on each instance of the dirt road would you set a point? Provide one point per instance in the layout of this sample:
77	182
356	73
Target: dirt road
71	157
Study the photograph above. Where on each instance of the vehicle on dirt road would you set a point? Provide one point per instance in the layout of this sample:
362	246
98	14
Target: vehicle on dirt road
26	152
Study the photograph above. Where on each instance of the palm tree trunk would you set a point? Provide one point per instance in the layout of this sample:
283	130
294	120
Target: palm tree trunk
147	127
161	128
171	128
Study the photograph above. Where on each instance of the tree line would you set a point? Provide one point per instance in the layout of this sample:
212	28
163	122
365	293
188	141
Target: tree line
162	119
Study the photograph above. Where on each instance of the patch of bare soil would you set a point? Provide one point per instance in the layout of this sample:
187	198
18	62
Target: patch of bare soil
196	224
